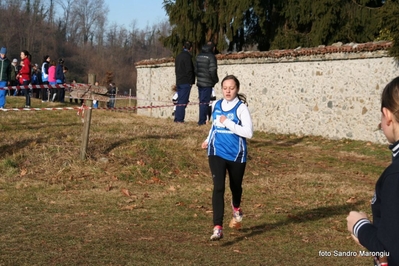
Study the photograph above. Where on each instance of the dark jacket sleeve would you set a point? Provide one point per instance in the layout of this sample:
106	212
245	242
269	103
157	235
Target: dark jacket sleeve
384	236
59	74
213	68
184	69
206	70
9	71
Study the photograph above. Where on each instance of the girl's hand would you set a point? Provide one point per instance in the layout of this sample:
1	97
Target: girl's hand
204	145
222	118
353	218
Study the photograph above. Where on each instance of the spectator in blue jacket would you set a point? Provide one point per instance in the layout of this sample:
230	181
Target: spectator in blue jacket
5	73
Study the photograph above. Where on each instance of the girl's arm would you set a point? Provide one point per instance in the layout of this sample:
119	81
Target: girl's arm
386	235
244	130
204	144
25	68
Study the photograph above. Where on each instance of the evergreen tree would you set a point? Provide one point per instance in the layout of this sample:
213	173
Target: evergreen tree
229	24
389	25
185	17
279	24
310	23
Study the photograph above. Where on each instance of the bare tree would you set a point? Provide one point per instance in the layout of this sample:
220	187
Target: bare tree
77	31
89	16
66	6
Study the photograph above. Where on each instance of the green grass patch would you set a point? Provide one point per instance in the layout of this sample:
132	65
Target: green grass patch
143	195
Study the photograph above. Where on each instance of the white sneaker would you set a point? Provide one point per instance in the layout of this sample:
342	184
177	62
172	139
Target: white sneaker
236	221
217	233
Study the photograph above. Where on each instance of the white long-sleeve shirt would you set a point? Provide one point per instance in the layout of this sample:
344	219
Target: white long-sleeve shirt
244	130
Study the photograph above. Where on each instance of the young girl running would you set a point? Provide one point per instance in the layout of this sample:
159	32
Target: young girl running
227	151
381	236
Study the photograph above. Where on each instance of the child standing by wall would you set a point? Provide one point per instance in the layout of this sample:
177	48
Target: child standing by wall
175	98
227	151
382	235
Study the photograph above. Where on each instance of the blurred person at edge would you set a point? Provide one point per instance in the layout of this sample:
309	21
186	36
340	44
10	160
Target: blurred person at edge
5	72
24	75
380	235
59	76
13	77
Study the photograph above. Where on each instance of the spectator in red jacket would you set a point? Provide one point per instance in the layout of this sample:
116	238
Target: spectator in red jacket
25	75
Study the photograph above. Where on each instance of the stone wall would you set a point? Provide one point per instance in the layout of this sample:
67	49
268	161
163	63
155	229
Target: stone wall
319	91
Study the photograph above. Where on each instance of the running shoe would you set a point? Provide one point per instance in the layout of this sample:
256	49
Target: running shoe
236	221
217	233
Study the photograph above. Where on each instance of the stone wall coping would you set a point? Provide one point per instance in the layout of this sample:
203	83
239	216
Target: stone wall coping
335	51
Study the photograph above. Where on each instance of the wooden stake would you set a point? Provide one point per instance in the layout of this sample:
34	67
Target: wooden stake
86	130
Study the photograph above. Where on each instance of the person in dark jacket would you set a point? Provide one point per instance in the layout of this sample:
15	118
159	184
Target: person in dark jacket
112	95
5	73
59	76
381	237
44	72
185	78
36	79
207	77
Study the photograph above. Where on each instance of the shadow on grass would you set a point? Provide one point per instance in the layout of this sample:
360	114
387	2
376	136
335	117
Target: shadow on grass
9	149
116	144
31	126
256	143
300	217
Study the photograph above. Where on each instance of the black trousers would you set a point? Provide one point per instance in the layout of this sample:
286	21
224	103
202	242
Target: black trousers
44	92
219	167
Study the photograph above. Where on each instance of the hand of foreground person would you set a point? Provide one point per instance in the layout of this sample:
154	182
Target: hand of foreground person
353	218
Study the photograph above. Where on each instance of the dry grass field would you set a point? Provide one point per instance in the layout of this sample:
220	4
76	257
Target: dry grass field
143	195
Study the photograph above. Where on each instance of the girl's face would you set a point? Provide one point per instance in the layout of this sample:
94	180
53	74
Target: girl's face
23	56
229	89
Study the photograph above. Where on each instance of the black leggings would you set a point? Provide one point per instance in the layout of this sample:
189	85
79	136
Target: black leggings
219	167
26	92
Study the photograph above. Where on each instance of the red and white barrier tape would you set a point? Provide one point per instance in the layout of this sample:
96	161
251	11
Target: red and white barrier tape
39	109
81	108
43	86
